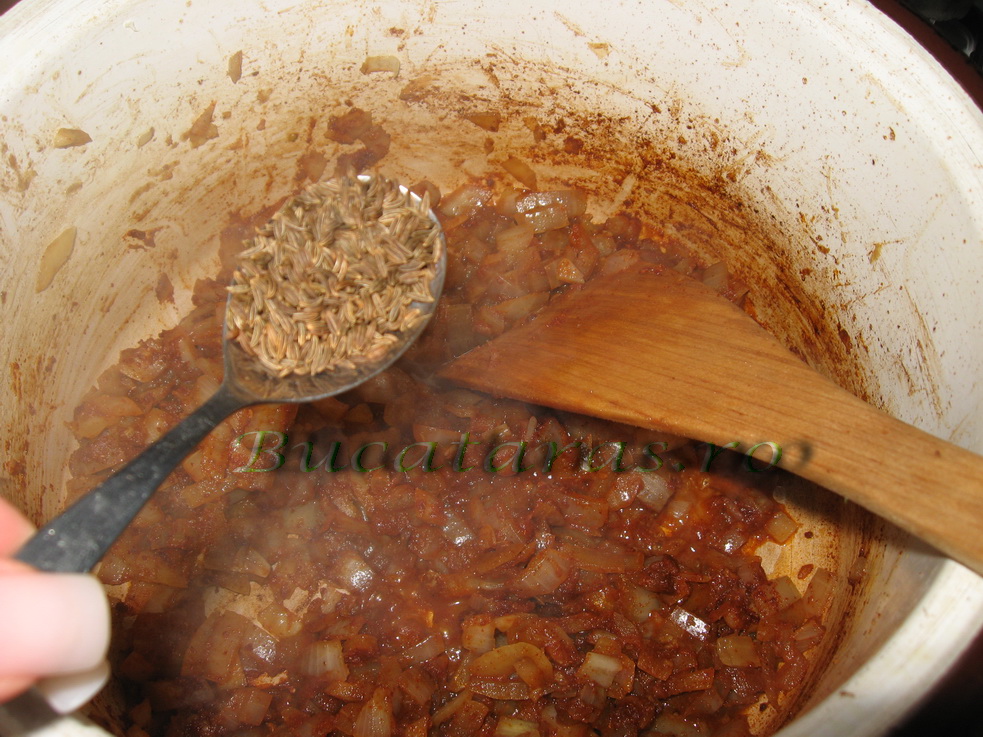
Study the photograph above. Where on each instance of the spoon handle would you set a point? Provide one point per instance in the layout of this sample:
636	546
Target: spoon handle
76	540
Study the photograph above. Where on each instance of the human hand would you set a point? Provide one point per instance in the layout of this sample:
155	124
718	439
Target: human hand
53	626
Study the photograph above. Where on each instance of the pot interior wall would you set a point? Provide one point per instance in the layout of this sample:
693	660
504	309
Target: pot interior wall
699	149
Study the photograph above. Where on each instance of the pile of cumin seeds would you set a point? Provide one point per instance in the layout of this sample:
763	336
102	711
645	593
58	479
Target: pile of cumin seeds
331	280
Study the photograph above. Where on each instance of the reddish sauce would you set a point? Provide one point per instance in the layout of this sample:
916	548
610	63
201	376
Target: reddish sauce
462	596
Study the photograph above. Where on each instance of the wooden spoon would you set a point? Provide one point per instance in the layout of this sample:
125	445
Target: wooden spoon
652	348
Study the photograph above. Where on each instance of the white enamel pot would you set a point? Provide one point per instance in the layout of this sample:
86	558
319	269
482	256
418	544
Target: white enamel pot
813	145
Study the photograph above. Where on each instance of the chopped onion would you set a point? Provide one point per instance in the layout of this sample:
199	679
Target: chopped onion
457	531
326	658
249	561
247	706
676	725
500	662
542	219
427	649
655	492
512	727
787	591
520	307
70	137
606	559
279	622
715	276
679	509
514	239
691	680
465	200
353	571
501	690
521	171
641	603
546	571
690	623
600	668
781	527
376	717
452	707
737	651
373	64
567	272
619	261
478	634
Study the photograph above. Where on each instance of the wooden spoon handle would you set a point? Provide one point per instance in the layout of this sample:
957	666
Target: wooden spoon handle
657	350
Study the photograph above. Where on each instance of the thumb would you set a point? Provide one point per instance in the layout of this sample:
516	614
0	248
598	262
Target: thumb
51	624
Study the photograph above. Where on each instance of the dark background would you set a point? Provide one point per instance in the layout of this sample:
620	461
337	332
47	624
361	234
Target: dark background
952	30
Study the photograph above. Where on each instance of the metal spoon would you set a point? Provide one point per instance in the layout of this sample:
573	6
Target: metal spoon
77	539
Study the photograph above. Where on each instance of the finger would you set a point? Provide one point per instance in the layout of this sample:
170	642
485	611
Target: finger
11	686
51	623
14	529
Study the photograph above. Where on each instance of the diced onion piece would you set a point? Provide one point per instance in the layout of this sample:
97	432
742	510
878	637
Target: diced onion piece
737	651
512	727
787	591
567	272
809	634
547	570
54	257
676	725
249	561
600	668
478	634
452	707
655	492
326	658
247	706
549	217
500	662
501	690
465	199
619	261
279	622
235	67
354	572
641	602
606	559
691	680
820	591
715	276
70	138
690	623
457	531
376	717
781	527
514	239
427	649
373	64
679	509
520	307
521	171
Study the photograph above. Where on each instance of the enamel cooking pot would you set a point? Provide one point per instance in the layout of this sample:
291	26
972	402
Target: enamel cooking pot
812	145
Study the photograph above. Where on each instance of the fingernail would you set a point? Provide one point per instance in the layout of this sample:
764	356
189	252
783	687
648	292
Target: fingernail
65	694
52	623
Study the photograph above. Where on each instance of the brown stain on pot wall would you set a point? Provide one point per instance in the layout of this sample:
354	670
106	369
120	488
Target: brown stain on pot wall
141	239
